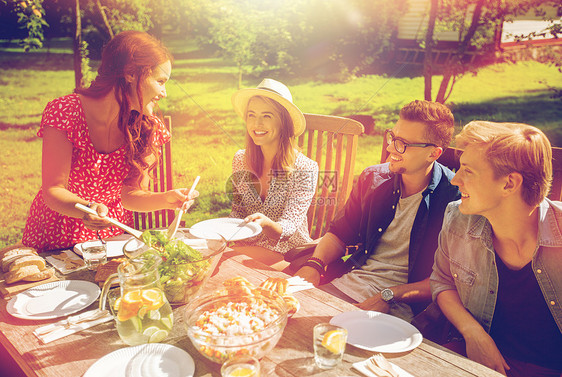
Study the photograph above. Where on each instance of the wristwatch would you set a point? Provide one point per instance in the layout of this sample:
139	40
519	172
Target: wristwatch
388	296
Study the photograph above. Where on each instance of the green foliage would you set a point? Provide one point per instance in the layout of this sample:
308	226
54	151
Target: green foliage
87	74
296	36
129	15
30	16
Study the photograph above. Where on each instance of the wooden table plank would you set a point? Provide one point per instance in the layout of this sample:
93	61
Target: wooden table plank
292	357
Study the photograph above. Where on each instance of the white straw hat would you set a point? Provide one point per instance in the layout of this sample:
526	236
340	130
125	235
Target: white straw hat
276	91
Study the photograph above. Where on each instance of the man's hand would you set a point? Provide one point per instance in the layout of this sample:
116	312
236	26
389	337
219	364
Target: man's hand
481	348
309	274
375	303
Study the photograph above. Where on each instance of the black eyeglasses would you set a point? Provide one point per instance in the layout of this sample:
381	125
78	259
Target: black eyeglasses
400	145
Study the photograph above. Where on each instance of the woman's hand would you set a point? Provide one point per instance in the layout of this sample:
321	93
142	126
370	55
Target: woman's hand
178	198
270	228
98	222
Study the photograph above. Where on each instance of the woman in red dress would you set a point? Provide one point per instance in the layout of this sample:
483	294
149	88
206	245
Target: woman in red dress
99	145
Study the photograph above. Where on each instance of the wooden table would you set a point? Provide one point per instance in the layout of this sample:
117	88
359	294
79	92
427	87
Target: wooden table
293	355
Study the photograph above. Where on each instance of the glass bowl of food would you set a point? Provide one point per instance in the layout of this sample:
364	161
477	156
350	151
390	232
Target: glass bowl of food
236	321
187	261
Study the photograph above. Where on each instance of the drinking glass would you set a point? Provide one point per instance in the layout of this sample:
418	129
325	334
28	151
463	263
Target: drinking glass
329	345
247	366
94	253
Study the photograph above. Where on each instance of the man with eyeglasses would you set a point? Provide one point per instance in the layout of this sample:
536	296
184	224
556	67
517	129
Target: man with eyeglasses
394	215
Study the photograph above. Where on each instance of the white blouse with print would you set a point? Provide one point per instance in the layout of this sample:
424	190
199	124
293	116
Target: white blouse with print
287	201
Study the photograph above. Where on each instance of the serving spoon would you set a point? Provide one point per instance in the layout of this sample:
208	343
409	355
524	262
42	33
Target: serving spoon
133	232
173	228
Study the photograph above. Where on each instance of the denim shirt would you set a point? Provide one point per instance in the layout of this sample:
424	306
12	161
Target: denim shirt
465	261
371	207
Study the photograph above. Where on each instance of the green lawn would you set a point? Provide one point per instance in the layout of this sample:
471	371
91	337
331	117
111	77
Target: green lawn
207	133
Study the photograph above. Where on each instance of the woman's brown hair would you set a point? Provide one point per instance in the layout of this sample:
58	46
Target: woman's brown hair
130	53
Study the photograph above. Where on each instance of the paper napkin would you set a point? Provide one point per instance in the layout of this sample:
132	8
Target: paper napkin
71	325
362	368
296	284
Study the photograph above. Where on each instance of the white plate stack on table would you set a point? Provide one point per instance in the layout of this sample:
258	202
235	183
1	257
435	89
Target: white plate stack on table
53	300
151	360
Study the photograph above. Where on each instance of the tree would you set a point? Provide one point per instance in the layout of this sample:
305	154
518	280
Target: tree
233	30
476	22
94	22
30	17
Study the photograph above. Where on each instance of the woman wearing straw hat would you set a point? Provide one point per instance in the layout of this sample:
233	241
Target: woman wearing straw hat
273	182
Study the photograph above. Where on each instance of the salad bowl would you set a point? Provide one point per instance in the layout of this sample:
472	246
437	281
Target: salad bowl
187	261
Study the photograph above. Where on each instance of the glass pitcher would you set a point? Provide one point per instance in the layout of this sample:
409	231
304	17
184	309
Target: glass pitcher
142	312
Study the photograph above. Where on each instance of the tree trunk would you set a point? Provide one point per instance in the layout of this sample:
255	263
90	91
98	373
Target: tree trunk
455	65
104	17
77	45
428	60
441	94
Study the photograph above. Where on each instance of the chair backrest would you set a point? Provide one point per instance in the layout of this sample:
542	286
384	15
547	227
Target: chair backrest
556	188
162	181
451	156
332	142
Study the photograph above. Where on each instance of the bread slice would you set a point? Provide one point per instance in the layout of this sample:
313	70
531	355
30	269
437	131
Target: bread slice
28	260
10	256
41	275
21	274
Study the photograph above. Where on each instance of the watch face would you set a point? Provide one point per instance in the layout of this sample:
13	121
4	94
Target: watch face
387	294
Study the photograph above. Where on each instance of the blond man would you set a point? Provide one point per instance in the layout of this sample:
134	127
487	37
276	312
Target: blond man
497	275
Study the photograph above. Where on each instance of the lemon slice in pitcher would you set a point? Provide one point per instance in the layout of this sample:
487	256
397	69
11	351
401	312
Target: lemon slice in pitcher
153	298
158	336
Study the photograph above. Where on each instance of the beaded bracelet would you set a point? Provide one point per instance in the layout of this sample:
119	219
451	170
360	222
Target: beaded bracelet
314	265
319	261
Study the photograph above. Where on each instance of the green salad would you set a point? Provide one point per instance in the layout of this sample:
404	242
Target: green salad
183	269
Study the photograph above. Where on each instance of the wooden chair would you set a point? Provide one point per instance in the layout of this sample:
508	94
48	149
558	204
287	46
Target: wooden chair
332	142
162	181
451	156
556	188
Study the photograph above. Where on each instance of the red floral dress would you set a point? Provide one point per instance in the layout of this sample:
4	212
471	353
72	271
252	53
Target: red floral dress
95	177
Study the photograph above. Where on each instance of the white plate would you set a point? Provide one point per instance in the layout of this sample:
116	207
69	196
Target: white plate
378	332
230	228
114	245
53	300
146	360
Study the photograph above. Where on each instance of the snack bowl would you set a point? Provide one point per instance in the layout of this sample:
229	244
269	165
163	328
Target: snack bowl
236	321
187	262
